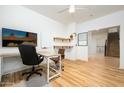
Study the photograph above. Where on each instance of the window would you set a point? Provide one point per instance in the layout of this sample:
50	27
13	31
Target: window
83	39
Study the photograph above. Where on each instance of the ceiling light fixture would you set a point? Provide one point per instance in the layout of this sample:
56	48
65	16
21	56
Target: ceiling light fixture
71	9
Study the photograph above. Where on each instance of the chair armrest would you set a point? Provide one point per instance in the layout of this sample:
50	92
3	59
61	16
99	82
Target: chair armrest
40	57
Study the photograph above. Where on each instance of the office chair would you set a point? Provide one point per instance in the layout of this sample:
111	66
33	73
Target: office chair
62	52
30	58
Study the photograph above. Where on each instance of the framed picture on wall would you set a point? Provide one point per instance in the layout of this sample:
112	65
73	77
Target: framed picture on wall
83	39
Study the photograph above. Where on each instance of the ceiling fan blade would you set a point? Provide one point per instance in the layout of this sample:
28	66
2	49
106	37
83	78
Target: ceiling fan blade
61	11
76	8
81	8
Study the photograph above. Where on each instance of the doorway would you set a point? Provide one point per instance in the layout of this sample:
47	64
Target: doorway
104	43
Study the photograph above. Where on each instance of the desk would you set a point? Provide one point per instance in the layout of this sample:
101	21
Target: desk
47	55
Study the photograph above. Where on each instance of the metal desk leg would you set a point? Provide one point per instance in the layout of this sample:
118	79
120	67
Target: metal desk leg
48	61
1	59
60	68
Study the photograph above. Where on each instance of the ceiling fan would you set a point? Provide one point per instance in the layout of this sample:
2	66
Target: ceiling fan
71	9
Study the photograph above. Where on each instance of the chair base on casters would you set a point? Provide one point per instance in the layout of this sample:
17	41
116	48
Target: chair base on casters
32	72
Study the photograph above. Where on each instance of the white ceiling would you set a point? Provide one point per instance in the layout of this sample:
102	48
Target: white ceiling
89	12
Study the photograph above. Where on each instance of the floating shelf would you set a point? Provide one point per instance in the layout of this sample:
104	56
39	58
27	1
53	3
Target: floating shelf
59	46
61	38
62	42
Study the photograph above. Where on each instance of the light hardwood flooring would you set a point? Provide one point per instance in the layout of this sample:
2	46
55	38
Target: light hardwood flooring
98	71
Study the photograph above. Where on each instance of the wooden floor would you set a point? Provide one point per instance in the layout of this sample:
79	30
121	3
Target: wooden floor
97	72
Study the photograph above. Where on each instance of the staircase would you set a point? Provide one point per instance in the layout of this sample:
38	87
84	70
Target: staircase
112	46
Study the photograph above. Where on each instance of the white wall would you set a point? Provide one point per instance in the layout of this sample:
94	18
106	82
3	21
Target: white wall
107	21
21	18
70	52
70	28
77	52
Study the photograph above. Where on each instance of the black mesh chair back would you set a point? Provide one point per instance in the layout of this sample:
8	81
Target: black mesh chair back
28	55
